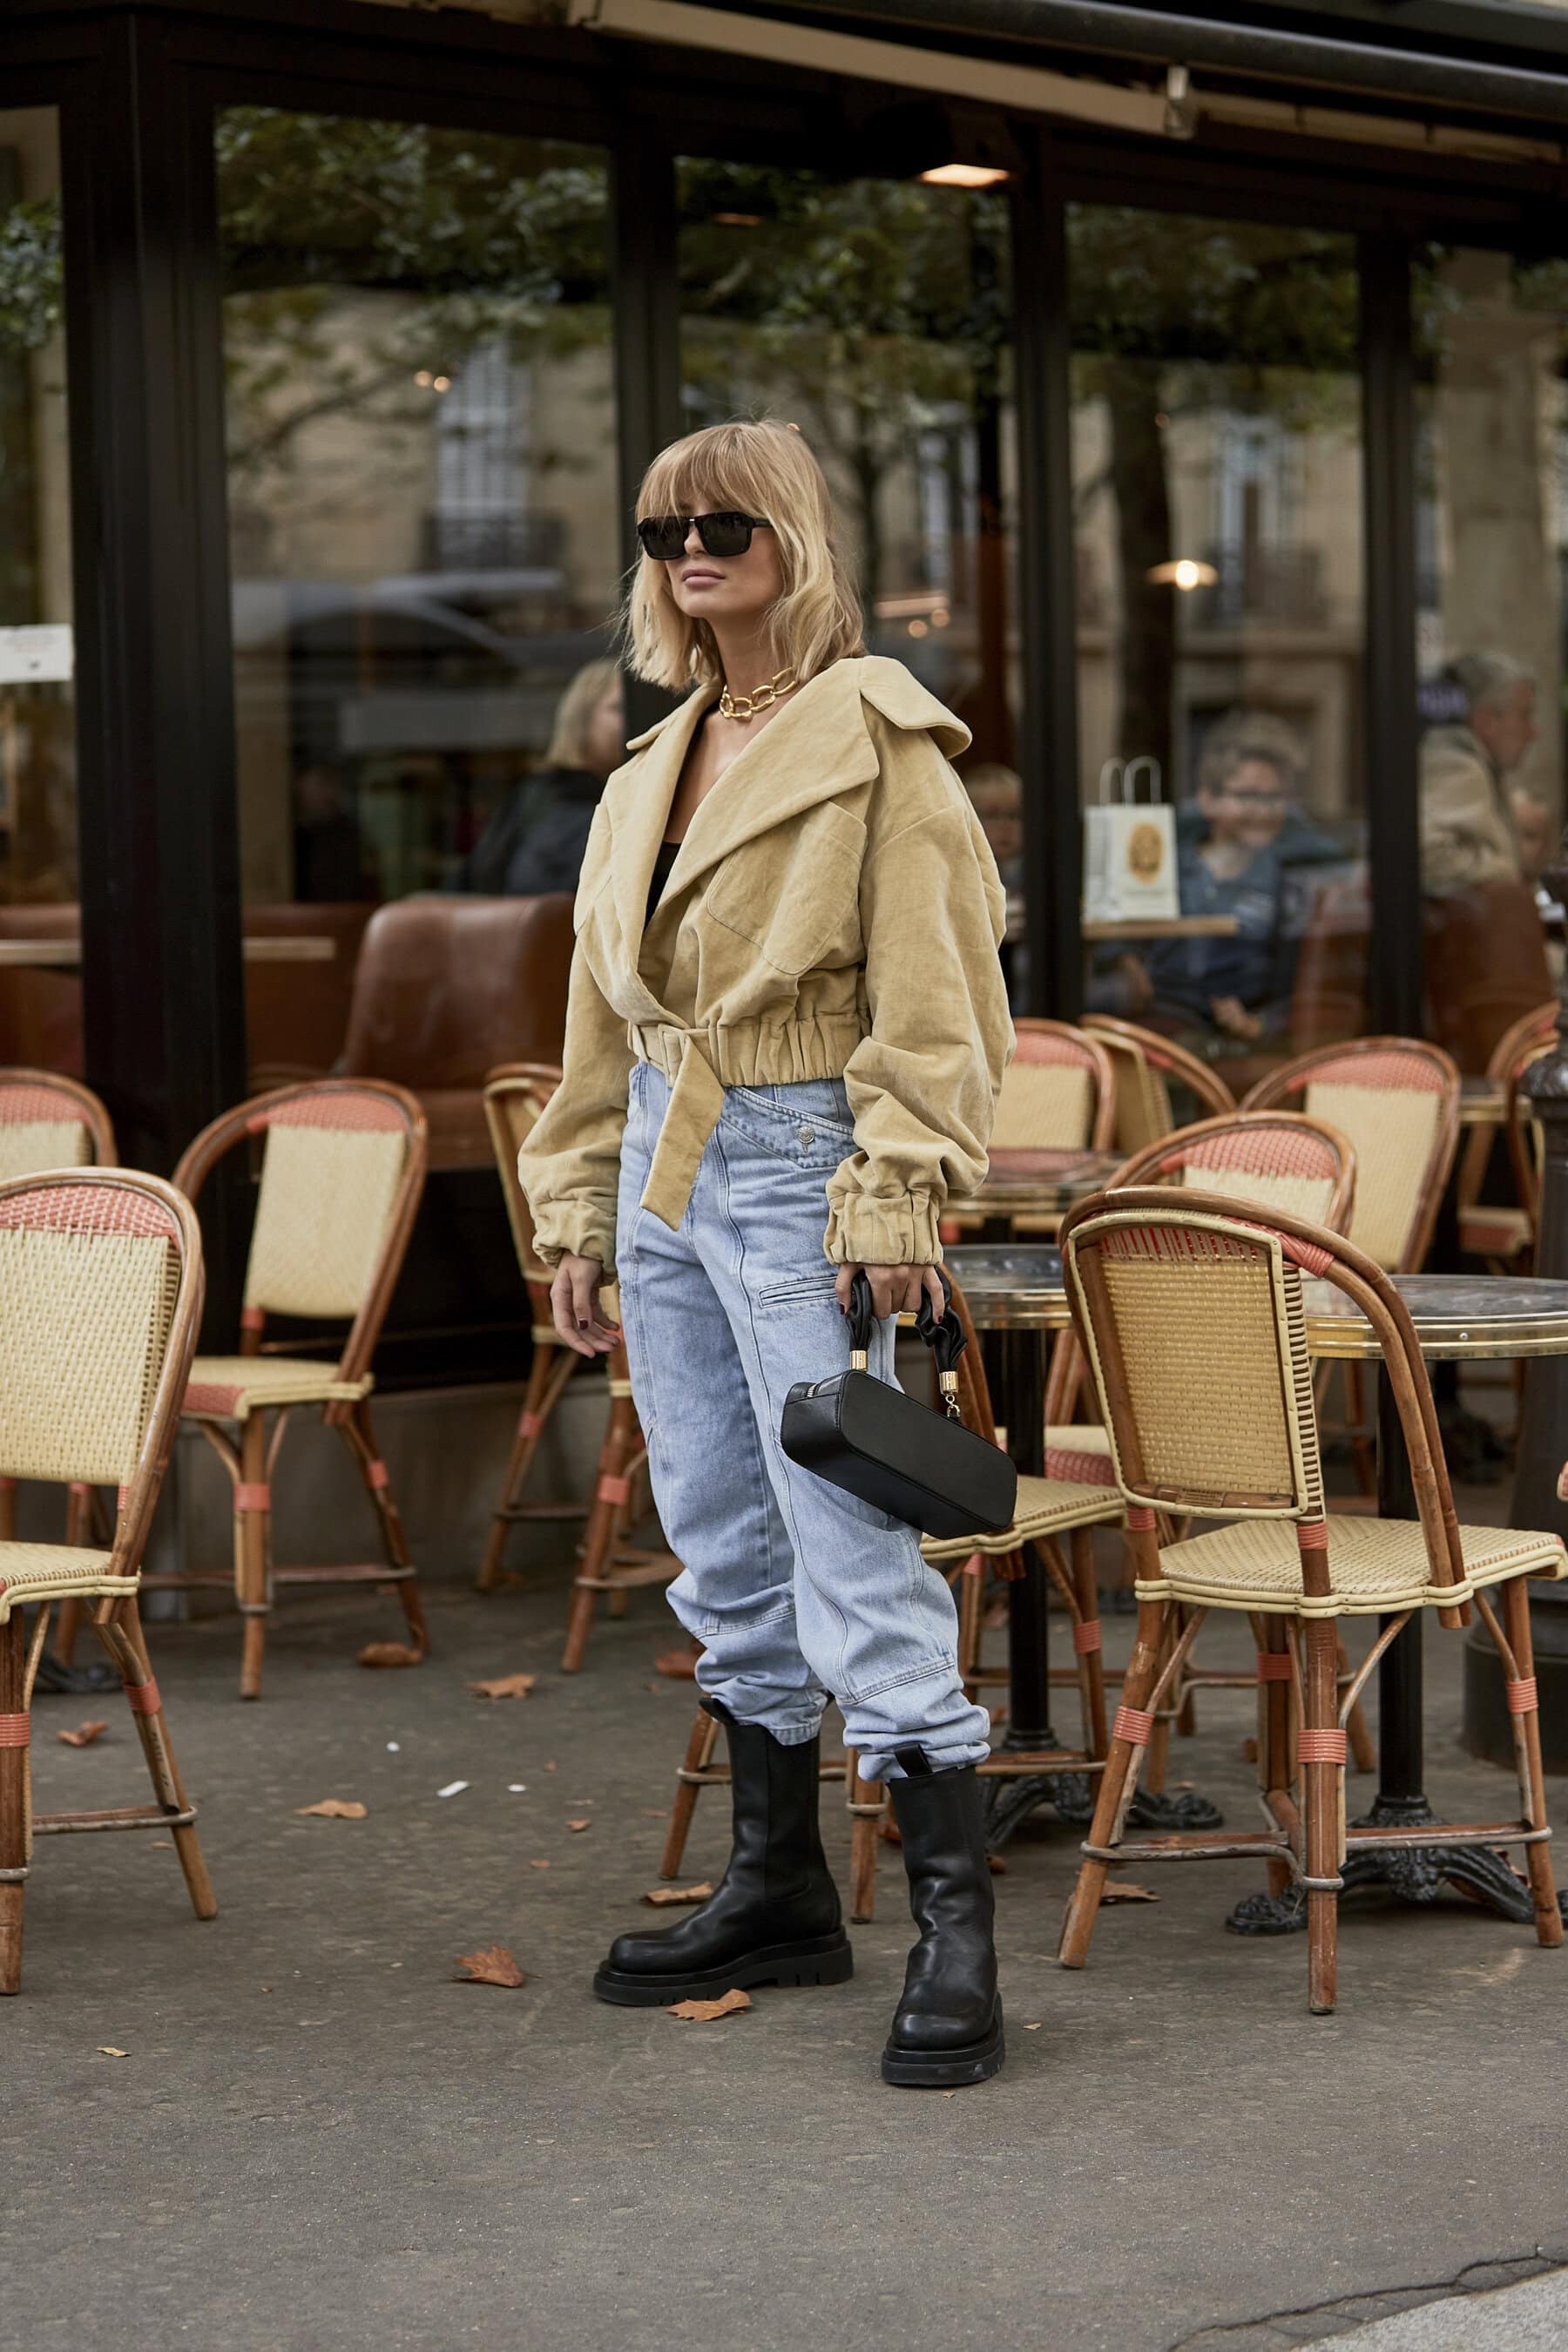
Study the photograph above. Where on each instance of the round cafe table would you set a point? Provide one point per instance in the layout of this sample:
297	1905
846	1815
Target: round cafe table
1015	1291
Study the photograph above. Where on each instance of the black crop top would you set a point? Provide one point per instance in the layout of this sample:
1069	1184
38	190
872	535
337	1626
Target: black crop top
669	851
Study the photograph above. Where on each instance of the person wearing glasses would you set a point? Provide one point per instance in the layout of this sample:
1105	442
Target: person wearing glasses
1239	852
786	1032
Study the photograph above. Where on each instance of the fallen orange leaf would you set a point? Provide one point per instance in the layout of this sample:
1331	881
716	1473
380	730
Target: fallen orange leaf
1122	1890
337	1809
995	1865
84	1735
107	2050
495	1966
703	2012
678	1894
505	1686
579	1825
389	1653
537	1865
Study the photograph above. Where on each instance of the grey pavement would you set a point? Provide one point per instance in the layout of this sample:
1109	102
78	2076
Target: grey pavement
319	2140
1530	2317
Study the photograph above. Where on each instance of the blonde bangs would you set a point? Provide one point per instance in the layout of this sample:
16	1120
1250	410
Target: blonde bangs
765	469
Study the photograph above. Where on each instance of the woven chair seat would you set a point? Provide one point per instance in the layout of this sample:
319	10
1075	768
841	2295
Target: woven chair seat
1046	1507
1081	1451
1374	1565
44	1571
1489	1232
230	1388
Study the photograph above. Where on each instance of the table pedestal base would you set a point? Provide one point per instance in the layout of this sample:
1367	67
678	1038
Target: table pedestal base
57	1678
1412	1873
1071	1794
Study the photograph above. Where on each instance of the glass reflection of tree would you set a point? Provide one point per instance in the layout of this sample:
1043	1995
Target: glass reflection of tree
1174	317
873	313
479	241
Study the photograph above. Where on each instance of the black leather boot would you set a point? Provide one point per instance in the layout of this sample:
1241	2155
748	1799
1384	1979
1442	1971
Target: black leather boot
774	1917
947	2029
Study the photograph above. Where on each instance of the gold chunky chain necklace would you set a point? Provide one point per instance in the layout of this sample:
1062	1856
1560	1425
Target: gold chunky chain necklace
746	705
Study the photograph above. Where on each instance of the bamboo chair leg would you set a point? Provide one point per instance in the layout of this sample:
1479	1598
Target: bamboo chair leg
867	1803
1533	1787
621	1435
1361	1749
251	1543
520	1462
7	1510
361	1442
14	1734
121	1634
1117	1784
1087	1641
1158	1758
1274	1774
971	1615
1322	1787
699	1755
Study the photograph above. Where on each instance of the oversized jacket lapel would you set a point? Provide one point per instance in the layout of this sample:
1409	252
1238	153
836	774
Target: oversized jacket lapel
638	798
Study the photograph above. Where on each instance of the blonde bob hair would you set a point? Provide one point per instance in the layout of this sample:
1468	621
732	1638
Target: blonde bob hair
568	745
763	469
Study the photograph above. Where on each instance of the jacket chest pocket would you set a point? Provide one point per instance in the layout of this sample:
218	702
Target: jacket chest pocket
796	899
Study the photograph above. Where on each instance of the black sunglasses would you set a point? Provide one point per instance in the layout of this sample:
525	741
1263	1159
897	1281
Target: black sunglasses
664	537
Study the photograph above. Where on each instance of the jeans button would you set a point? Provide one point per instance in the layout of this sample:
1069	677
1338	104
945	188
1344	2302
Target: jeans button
807	1135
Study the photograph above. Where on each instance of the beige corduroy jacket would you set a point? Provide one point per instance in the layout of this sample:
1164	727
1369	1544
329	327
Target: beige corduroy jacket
835	911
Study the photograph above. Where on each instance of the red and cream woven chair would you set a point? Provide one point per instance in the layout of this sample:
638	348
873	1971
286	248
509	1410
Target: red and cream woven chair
51	1121
1398	1100
1057	1093
1048	1510
342	1169
100	1290
1272	1160
514	1098
1147	1066
1194	1319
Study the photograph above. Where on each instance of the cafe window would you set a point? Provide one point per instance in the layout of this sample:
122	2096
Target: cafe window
875	315
1217	479
1492	536
40	989
424	545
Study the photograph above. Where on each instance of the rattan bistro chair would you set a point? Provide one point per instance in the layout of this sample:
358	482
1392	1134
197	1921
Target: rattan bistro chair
100	1289
342	1166
1272	1160
1504	1233
51	1121
1147	1066
1057	1093
1398	1099
1193	1318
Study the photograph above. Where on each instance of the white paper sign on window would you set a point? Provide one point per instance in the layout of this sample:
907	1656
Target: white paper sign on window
37	657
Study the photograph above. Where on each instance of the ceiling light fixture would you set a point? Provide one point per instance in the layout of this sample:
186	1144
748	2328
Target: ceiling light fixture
964	175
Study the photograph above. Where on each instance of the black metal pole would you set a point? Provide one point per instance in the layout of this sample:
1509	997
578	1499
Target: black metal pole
1047	730
1399	1684
1391	736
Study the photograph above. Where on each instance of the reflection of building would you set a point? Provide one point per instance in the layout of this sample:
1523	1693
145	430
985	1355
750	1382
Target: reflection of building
372	330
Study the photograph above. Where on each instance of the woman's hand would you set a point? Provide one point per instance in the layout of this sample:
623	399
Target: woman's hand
895	1289
575	1304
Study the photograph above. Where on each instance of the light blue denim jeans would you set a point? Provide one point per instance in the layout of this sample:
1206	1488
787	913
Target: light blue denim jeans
797	1591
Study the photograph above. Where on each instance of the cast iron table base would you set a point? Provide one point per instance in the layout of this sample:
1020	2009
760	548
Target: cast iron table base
1071	1795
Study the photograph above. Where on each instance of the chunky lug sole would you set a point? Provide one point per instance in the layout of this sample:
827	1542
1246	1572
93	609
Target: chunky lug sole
817	1960
946	2069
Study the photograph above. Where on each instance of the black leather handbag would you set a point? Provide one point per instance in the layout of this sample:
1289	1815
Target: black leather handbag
894	1453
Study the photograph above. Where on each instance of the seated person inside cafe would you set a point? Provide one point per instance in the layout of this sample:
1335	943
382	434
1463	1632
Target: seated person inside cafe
1470	821
534	842
1243	851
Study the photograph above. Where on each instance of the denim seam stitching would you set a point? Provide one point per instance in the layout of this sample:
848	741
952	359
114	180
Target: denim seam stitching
944	1664
785	1500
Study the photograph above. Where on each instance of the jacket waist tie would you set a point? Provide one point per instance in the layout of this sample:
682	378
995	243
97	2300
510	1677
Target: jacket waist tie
696	1099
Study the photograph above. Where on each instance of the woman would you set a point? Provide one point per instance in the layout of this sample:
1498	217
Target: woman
535	843
785	1035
